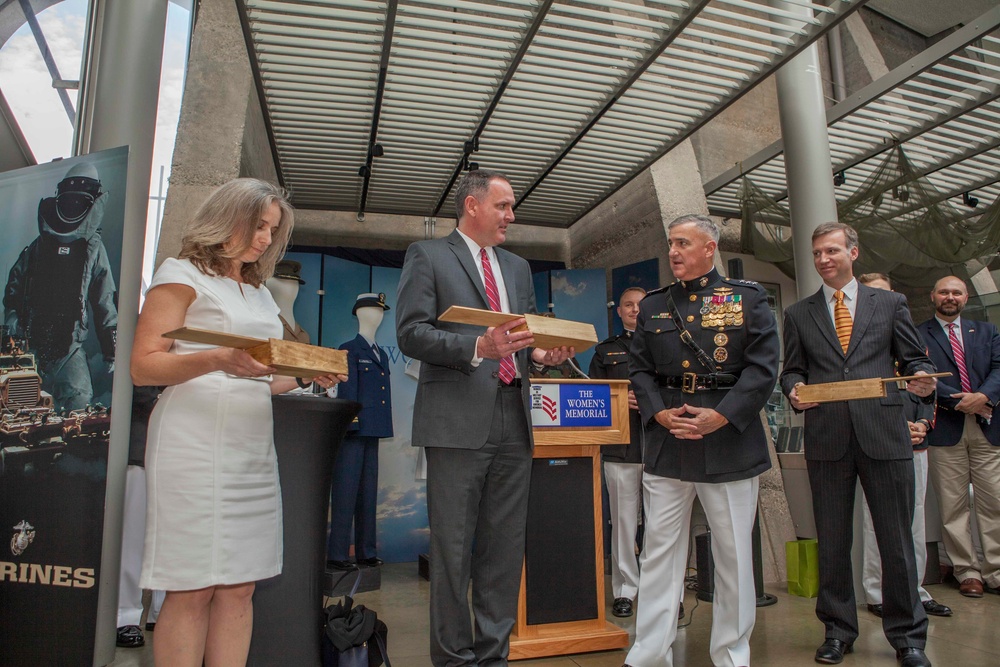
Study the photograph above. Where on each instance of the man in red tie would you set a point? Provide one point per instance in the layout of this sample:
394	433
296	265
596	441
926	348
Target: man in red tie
471	415
965	443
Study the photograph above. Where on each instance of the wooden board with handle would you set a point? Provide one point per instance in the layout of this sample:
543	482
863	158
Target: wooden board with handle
285	356
828	392
549	332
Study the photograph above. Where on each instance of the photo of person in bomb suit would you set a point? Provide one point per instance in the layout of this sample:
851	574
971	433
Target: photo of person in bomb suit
62	286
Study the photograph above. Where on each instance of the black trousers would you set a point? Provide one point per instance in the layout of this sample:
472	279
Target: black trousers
888	486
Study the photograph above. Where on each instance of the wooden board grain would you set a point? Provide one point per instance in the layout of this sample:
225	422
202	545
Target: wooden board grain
828	392
287	357
548	332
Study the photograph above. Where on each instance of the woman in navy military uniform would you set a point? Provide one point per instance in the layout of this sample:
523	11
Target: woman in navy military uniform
355	473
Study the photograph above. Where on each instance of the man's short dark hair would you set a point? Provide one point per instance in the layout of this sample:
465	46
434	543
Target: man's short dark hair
869	278
474	183
850	234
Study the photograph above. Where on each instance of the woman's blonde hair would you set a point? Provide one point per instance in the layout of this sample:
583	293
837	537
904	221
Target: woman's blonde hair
232	214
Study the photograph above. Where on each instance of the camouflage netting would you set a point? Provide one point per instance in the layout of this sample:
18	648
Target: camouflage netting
906	227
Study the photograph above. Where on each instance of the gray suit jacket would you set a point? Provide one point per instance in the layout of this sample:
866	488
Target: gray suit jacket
454	401
882	334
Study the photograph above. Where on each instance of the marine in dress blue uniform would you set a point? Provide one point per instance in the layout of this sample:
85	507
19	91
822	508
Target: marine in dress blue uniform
354	495
731	323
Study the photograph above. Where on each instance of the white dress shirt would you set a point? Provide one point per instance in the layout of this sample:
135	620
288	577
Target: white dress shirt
850	291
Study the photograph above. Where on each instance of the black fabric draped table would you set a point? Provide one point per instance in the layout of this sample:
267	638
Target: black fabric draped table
288	609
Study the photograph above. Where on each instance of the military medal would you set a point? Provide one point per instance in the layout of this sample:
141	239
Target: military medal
720	354
721	339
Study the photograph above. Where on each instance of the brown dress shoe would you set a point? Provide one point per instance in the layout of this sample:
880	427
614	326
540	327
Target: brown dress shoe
971	588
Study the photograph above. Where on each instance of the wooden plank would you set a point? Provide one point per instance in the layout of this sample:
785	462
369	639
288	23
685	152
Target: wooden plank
828	392
299	359
207	337
548	332
564	641
849	390
286	357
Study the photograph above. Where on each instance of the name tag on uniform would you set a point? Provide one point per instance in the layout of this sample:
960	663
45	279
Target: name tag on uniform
611	354
365	361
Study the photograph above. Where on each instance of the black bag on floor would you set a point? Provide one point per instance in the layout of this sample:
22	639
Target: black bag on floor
355	637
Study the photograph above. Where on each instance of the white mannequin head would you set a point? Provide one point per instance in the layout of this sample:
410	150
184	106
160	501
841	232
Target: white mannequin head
369	319
284	292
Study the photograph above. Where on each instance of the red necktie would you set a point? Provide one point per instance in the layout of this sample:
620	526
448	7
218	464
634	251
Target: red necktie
507	368
956	349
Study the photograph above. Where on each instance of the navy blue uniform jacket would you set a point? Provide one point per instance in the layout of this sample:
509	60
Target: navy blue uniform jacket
368	384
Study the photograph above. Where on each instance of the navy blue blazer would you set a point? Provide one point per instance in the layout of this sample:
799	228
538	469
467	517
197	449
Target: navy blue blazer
368	384
981	343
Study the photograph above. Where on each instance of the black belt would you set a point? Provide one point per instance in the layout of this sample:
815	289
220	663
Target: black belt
692	382
516	382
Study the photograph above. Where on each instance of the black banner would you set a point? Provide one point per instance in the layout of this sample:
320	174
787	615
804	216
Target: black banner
62	227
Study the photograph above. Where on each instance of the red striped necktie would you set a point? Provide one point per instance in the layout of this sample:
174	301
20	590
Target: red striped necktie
956	349
507	368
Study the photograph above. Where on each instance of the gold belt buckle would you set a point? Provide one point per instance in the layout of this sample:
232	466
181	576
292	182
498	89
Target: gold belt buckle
688	382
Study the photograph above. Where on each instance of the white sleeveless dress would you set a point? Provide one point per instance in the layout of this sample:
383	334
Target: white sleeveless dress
213	511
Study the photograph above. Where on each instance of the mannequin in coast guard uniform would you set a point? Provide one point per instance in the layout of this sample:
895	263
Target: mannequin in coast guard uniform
355	472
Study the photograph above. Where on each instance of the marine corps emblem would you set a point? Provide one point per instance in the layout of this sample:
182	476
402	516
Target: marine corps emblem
24	536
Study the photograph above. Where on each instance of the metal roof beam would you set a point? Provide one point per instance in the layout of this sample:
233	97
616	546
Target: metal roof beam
472	144
870	93
383	68
672	34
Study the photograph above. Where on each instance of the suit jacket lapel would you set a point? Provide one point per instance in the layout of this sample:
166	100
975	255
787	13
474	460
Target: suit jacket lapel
863	311
937	333
370	351
820	312
461	250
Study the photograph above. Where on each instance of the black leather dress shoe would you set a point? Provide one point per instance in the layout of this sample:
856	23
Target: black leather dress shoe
344	565
680	612
130	636
935	608
622	607
374	561
911	656
832	652
875	609
150	626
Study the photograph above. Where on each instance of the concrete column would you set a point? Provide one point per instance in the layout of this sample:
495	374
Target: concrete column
221	133
802	112
121	86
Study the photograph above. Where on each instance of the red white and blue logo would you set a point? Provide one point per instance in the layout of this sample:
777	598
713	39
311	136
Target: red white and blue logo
570	405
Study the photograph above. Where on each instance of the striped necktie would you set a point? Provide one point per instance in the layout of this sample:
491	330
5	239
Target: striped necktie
842	320
959	353
507	369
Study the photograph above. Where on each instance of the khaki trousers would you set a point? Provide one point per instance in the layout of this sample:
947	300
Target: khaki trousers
972	460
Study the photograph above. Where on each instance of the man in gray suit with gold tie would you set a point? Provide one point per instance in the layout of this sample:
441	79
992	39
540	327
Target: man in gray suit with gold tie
847	331
472	416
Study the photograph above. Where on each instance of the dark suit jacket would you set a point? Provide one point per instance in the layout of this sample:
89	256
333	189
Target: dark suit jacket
368	384
981	343
883	333
454	401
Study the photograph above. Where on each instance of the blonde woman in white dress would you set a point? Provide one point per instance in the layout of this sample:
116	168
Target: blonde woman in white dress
214	524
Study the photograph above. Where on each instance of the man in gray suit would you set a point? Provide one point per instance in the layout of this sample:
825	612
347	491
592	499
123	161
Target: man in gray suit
472	417
847	331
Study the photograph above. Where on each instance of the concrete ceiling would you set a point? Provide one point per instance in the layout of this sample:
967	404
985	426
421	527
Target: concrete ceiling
928	17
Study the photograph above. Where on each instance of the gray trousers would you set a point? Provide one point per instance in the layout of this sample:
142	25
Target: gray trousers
477	502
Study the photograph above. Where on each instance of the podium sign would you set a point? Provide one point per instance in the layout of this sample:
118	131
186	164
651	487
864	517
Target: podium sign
561	602
571	405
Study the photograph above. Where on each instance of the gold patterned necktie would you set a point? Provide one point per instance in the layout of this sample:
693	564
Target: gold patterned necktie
842	320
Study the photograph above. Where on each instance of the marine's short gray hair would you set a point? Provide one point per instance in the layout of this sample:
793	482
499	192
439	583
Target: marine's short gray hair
702	222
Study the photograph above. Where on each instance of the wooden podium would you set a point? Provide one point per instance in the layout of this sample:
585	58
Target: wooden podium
561	602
